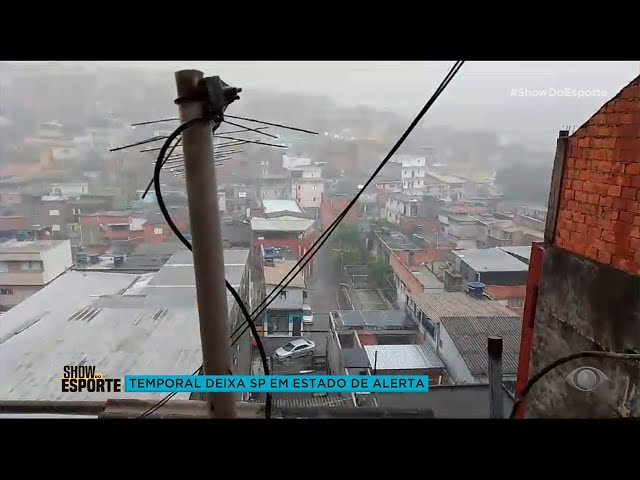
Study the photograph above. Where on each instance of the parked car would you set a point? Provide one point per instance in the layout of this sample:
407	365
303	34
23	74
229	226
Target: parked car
307	314
295	349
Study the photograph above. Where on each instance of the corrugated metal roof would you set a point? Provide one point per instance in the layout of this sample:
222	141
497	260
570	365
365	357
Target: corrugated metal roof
281	224
403	357
469	334
437	305
155	331
272	206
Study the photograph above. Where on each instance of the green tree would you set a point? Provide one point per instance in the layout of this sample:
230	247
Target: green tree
380	272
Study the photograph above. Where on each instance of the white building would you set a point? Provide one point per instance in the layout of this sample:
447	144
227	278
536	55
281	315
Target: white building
413	174
27	267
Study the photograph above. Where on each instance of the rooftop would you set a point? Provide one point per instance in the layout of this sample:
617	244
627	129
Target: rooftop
34	246
272	206
281	224
448	304
469	334
427	278
438	178
274	275
403	357
121	323
397	241
455	401
371	320
491	260
521	253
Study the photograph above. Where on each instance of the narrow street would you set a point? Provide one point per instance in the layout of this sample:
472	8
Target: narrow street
323	296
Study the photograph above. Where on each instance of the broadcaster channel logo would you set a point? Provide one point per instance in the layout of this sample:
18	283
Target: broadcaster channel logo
586	379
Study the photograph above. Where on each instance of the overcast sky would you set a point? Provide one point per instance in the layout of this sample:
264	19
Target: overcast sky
480	96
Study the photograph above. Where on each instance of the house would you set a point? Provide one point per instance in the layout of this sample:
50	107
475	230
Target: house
400	206
443	187
491	266
307	186
274	186
462	231
414	278
283	318
333	204
286	231
55	212
27	267
457	324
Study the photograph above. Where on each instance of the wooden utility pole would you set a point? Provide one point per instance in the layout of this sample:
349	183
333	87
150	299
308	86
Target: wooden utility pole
208	258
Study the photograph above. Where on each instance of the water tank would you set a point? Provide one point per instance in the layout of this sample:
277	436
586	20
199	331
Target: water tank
476	289
118	260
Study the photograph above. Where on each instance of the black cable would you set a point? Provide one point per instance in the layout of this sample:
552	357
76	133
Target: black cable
562	361
146	190
164	401
186	243
304	260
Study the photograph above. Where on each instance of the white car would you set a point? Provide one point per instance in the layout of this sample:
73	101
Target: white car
307	314
295	348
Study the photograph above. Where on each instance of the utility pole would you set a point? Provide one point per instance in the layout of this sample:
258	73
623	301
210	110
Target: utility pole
208	258
494	351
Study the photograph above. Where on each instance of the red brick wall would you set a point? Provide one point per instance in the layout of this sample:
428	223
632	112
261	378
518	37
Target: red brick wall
13	223
367	339
332	205
403	272
599	211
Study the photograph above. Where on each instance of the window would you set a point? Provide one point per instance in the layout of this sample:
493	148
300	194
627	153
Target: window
515	302
4	267
157	231
33	265
76	211
242	194
54	213
55	228
6	291
315	199
283	295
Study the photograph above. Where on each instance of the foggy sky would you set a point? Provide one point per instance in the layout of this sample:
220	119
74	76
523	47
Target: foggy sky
478	98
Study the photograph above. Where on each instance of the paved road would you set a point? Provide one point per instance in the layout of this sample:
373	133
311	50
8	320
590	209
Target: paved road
322	292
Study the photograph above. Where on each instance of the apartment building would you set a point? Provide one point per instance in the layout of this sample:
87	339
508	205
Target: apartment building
27	267
413	174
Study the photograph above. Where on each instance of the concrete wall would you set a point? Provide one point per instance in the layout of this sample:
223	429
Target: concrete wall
583	305
12	295
56	261
456	367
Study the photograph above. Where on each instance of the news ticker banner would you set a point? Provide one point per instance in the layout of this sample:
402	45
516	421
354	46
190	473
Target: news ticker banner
277	383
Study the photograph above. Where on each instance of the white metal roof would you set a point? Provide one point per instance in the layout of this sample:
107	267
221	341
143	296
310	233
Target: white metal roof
272	206
403	357
281	224
84	318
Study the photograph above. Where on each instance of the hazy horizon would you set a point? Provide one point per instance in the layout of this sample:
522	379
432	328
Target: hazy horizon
478	98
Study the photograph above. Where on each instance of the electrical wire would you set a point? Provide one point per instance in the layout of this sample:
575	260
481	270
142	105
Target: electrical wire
562	361
304	260
186	243
146	190
257	130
